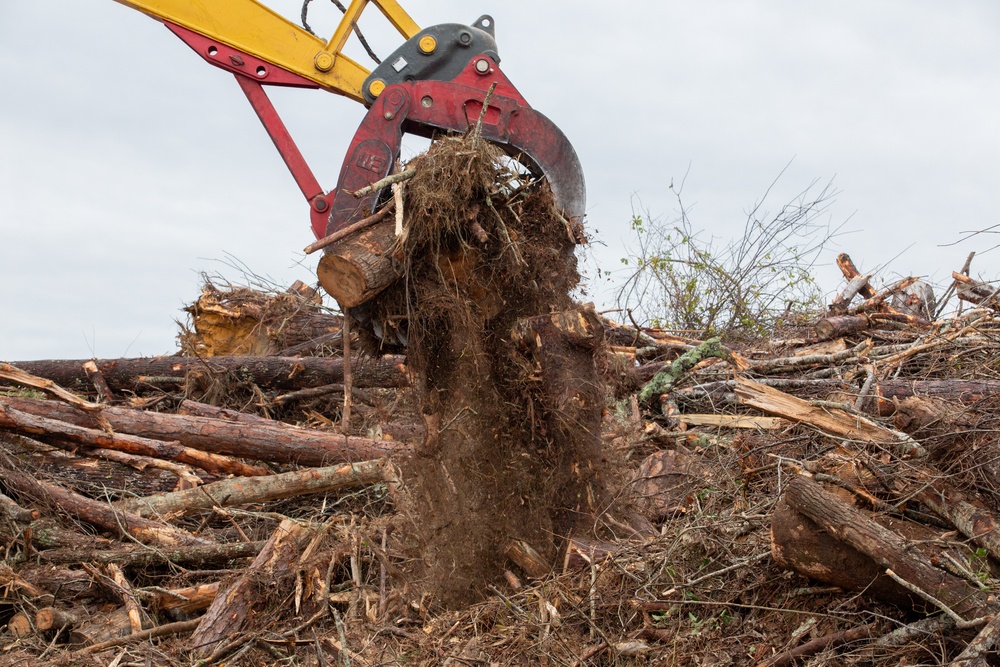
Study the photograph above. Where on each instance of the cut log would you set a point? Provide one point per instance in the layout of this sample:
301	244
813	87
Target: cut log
186	600
841	325
886	548
799	544
51	618
231	606
20	625
282	373
196	409
916	299
845	325
93	477
843	300
146	557
966	392
97	513
29	424
261	441
846	266
103	627
44	584
243	491
359	267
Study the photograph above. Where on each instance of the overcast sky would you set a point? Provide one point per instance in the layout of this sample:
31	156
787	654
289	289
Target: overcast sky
128	166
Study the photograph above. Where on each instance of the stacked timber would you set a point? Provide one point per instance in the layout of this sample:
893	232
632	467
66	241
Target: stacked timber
831	494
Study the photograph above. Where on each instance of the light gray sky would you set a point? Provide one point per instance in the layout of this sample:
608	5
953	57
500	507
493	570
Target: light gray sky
128	166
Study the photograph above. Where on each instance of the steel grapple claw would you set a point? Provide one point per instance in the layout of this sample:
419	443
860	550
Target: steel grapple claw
426	107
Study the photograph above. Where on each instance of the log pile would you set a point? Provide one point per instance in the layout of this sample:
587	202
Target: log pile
828	496
140	521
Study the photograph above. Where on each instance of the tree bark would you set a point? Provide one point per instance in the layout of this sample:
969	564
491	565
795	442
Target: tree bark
966	392
282	373
265	441
229	611
104	627
145	557
93	477
28	424
799	544
885	547
243	491
843	300
98	513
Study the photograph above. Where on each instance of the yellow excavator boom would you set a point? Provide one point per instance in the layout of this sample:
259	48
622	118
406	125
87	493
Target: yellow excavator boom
255	29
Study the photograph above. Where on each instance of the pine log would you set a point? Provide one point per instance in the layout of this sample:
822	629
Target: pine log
799	544
29	424
229	611
47	534
45	584
51	618
95	478
20	625
841	325
265	441
885	547
843	300
136	556
197	409
966	392
25	377
104	393
165	630
846	266
280	373
357	268
104	627
186	600
324	342
98	513
186	475
244	491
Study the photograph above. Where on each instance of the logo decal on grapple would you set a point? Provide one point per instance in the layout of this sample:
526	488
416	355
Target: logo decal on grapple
370	161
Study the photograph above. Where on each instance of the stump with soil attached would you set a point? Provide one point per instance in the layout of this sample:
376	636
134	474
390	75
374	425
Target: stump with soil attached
505	365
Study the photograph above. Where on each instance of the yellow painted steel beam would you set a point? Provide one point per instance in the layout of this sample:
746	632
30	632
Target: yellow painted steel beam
255	29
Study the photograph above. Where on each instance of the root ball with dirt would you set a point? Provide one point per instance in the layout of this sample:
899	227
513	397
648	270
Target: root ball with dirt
504	366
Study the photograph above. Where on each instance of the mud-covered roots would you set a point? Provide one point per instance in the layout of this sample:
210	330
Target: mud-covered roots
512	447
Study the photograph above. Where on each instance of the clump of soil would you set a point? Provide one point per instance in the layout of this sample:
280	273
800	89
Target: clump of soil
504	366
